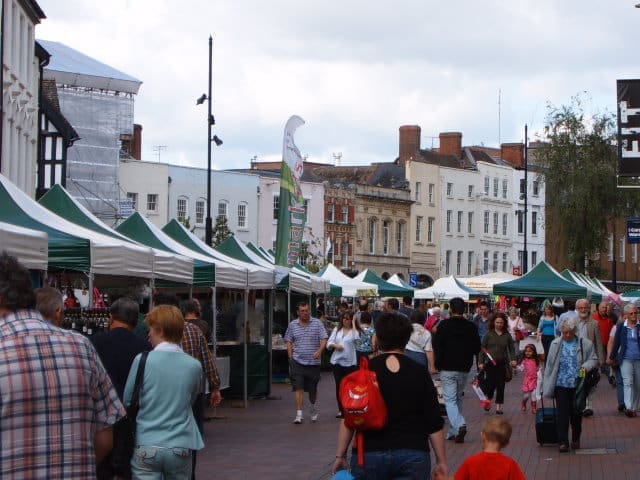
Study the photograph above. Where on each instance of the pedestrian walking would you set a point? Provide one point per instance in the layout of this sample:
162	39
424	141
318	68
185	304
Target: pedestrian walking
529	365
626	353
547	326
364	342
343	359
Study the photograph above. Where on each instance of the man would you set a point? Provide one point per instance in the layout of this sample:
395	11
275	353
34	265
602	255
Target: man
190	309
455	344
363	306
407	306
570	313
378	306
481	319
58	403
392	305
606	323
589	329
306	339
50	305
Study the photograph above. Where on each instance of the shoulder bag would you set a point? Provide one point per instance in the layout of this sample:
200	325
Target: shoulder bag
124	431
584	384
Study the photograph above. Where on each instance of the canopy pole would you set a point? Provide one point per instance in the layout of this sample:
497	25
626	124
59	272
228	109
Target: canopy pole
269	336
214	321
246	348
152	286
288	306
90	275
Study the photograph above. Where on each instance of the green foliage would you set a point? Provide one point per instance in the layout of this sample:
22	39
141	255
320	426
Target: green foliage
580	163
221	230
186	223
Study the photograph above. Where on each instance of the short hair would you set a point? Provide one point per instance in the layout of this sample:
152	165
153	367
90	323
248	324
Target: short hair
378	305
16	289
48	300
497	429
417	316
365	317
582	300
125	310
570	324
190	306
407	300
393	331
302	304
169	319
492	320
483	303
627	308
363	303
162	298
393	303
457	306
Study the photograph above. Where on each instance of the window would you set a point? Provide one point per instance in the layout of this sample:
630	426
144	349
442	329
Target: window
459	263
485	263
470	222
535	187
448	228
534	223
449	189
504	261
622	249
447	263
345	213
152	202
200	211
432	187
344	254
470	194
496	183
400	238
242	215
373	224
469	262
276	206
523	188
534	259
520	214
331	212
418	229
386	236
133	197
486	221
505	187
222	209
487	183
430	223
505	220
495	261
521	260
182	209
495	222
417	192
460	213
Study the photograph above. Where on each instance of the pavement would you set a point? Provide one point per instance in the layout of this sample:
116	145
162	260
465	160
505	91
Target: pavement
262	443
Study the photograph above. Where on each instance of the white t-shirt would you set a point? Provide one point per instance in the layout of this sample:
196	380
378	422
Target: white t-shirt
420	340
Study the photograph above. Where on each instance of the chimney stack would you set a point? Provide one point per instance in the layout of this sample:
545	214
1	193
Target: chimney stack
409	143
136	144
513	153
451	144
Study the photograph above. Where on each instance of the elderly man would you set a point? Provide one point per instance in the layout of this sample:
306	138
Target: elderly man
50	305
57	424
588	328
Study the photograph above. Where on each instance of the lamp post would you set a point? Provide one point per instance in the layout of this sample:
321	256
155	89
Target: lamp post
210	122
525	260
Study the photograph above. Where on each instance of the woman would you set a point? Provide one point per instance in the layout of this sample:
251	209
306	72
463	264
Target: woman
547	325
343	358
166	431
568	355
419	346
626	354
399	450
364	343
515	322
497	354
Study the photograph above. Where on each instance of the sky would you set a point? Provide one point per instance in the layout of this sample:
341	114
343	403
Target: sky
354	70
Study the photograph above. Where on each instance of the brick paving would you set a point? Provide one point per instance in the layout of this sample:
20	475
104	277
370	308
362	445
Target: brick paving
261	442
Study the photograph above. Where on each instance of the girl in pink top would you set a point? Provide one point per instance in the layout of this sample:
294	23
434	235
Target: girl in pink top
530	364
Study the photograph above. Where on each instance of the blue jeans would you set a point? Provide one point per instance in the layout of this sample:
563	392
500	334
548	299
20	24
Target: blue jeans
619	385
453	384
158	463
393	465
630	370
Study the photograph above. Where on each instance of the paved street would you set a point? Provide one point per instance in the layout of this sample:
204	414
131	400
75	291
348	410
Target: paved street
262	443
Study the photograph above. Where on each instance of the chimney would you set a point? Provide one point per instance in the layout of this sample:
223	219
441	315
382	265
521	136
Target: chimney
136	147
513	153
409	143
451	144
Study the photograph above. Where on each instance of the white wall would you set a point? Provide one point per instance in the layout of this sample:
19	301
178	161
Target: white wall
146	178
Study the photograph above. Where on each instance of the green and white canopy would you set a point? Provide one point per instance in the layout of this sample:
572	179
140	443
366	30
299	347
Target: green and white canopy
541	281
30	247
350	286
385	289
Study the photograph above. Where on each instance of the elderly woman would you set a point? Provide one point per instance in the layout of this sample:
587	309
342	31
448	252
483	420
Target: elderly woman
569	357
166	431
515	322
626	354
399	450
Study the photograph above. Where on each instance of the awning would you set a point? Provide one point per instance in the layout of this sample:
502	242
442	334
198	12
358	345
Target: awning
30	247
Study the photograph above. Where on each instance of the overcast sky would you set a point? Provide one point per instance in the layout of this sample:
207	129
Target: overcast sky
354	70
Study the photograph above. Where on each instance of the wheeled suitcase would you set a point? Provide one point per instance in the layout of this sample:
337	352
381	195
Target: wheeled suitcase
546	425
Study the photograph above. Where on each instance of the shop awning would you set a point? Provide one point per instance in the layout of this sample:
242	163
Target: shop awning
594	292
485	282
385	289
541	281
30	247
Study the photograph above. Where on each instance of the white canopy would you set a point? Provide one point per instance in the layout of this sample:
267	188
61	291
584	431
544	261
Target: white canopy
486	282
396	280
350	287
30	247
446	288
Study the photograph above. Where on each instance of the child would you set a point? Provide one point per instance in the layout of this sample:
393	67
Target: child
529	364
490	464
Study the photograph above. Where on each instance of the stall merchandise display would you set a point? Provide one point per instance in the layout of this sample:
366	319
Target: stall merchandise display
87	321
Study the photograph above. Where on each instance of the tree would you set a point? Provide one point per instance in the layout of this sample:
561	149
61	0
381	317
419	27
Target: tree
186	223
221	230
580	164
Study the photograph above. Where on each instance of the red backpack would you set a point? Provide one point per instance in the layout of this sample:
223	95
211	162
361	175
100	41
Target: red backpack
362	404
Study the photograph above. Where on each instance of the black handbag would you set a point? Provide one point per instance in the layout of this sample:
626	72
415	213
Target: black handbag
584	385
124	431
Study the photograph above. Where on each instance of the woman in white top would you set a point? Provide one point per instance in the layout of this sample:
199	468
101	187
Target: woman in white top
343	358
419	347
515	322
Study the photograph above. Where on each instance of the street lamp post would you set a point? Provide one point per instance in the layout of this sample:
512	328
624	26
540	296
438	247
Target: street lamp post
525	259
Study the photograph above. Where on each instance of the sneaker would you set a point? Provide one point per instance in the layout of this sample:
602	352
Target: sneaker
462	431
587	413
298	419
630	413
314	413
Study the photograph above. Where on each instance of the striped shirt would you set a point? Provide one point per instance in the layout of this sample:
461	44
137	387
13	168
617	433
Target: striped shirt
306	340
194	343
54	396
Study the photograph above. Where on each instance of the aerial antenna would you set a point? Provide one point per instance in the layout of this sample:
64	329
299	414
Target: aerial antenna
337	157
158	149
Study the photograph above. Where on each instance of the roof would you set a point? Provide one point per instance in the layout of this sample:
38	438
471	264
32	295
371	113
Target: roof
387	175
51	108
71	67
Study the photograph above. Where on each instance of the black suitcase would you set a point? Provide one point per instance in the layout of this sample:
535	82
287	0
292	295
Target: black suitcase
546	426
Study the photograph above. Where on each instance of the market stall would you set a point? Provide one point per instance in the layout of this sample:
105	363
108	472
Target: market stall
446	288
350	286
30	247
396	280
385	289
485	282
541	281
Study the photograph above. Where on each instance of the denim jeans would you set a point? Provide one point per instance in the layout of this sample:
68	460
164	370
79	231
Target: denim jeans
393	465
619	385
158	463
452	387
630	371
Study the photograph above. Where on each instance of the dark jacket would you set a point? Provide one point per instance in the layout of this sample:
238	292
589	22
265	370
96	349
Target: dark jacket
455	344
620	342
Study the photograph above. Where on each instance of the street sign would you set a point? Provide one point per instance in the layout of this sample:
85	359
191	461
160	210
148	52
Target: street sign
126	207
517	271
413	279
